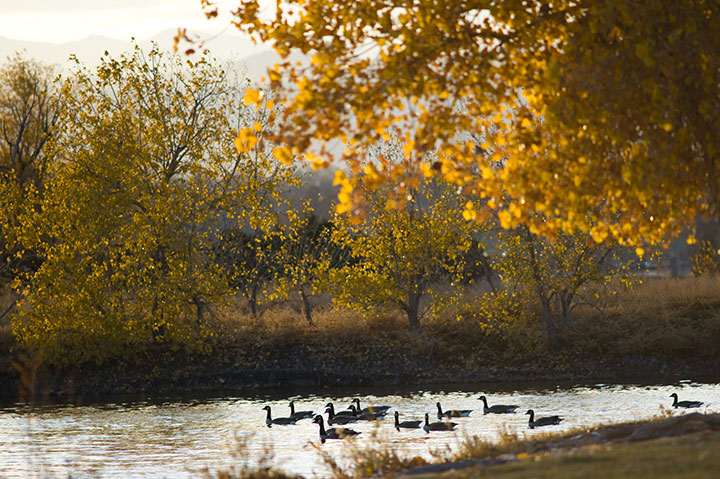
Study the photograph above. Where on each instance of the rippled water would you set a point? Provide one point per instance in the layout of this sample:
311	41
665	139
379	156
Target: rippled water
178	438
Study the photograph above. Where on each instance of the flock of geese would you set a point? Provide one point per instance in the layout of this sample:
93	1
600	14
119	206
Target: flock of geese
355	413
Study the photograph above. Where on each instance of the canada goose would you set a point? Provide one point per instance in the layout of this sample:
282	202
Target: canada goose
299	414
543	421
280	420
437	426
366	416
336	419
686	404
370	409
452	412
339	413
405	424
333	432
496	409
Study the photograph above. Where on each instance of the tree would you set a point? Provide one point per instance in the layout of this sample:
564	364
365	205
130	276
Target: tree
627	94
403	257
252	262
565	272
28	113
309	254
146	171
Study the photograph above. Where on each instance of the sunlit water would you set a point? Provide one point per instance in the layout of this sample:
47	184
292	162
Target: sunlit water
178	439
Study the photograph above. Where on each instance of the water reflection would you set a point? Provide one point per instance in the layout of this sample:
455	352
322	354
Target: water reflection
178	438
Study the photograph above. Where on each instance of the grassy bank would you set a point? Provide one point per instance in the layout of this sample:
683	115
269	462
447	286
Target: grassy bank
676	447
662	328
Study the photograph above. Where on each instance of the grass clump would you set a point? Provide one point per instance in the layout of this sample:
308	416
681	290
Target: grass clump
249	465
376	458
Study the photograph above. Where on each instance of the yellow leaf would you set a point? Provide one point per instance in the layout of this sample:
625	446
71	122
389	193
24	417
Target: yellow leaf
246	140
252	97
283	155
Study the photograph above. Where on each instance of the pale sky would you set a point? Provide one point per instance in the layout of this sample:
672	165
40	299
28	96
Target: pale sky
60	21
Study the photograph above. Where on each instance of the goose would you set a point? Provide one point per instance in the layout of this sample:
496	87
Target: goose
340	413
437	426
371	409
405	424
543	421
339	419
333	432
686	404
496	409
280	420
366	416
452	412
299	414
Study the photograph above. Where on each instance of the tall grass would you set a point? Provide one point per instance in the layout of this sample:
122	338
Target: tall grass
376	457
666	318
249	465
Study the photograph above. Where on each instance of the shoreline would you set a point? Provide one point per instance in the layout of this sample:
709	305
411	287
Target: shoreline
205	380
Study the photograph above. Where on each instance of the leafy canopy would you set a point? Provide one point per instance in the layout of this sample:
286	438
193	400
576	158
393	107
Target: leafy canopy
627	94
145	172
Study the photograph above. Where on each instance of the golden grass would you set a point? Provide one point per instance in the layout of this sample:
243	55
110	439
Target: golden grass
665	318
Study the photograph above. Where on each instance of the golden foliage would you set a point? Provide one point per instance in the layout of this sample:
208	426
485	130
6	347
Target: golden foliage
626	94
410	257
145	171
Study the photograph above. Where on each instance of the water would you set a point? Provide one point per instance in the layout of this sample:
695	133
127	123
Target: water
178	438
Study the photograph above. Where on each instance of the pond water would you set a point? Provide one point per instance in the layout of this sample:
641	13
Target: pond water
177	438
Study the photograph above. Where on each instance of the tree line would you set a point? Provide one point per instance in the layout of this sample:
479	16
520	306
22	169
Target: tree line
139	198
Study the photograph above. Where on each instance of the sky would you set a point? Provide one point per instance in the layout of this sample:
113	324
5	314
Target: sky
61	21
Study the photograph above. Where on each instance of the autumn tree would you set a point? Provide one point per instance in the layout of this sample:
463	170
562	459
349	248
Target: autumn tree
146	171
409	258
28	113
250	249
556	275
309	255
627	93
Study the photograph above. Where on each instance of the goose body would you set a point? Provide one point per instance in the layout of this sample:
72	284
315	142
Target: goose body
365	415
542	421
437	426
299	414
269	421
686	404
405	424
497	409
452	412
339	419
370	409
333	432
340	413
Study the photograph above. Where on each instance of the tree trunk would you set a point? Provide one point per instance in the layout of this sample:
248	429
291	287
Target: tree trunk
565	302
307	308
540	289
412	309
549	325
252	300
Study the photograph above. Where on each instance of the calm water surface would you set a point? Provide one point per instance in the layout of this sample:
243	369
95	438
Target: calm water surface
178	438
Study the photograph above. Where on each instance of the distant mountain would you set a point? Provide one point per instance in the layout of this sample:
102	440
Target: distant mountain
255	66
88	50
225	46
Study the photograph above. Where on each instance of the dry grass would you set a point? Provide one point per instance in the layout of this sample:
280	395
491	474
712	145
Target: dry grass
663	318
249	465
376	457
673	318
